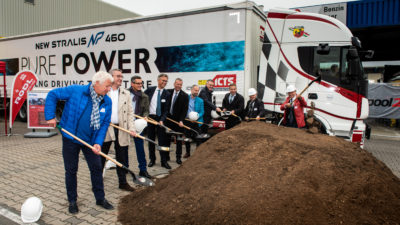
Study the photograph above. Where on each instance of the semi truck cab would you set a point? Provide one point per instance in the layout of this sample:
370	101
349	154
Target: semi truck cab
297	48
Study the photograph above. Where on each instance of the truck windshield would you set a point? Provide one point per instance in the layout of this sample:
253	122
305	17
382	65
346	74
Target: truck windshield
334	66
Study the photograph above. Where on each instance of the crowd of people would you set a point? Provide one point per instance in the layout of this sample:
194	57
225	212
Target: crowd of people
89	110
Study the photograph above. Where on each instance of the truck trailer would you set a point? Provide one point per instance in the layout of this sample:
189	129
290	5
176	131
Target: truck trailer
237	43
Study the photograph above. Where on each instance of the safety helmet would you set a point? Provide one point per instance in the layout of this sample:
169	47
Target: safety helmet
290	88
110	164
140	124
193	115
252	91
31	210
214	114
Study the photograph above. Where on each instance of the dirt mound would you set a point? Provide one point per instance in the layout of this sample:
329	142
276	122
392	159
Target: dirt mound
259	173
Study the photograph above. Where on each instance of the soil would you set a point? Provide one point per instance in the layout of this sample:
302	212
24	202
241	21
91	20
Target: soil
258	173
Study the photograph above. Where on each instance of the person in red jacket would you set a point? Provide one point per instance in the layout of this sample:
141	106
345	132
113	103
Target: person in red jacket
294	109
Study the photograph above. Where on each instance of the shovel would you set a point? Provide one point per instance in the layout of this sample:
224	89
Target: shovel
167	129
198	135
159	148
194	121
225	115
318	79
137	180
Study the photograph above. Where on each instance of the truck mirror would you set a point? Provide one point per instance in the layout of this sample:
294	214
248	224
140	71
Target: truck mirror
323	49
368	54
352	54
356	42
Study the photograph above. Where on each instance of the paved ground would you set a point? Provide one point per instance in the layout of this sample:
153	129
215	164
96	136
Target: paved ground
34	167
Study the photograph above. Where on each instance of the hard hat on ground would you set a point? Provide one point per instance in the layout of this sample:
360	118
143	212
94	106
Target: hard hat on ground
140	124
193	115
31	210
214	114
290	88
252	91
110	164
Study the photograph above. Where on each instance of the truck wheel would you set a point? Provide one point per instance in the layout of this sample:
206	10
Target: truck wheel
22	114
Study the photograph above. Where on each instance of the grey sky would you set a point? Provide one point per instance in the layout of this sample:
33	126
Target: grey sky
151	7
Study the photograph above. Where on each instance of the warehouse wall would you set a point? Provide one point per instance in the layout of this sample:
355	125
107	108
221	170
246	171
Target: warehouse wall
19	17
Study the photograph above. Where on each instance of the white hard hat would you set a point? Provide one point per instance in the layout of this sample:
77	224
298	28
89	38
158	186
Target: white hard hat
31	210
193	115
214	114
290	88
252	91
110	164
140	124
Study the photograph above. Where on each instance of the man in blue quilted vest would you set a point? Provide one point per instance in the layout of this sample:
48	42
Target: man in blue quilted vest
87	115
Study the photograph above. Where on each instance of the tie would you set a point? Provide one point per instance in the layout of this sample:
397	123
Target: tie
230	99
173	103
158	109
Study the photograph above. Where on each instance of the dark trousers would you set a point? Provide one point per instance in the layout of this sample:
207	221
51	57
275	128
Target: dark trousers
152	130
121	155
176	128
231	122
207	120
70	151
140	154
191	134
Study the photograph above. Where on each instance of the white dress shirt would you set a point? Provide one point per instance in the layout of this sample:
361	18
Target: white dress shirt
153	102
114	98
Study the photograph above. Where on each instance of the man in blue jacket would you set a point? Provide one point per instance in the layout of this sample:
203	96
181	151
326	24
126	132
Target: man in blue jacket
87	115
196	104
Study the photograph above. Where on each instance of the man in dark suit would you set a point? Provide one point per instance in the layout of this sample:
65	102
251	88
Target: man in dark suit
177	111
206	95
159	105
254	107
233	102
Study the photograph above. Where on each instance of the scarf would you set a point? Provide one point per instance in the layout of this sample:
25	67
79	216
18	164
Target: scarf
95	116
137	96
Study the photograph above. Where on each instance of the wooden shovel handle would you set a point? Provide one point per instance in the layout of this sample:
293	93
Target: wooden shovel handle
127	131
150	120
91	147
178	123
194	121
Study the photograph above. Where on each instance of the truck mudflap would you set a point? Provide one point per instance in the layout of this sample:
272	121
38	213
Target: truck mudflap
358	136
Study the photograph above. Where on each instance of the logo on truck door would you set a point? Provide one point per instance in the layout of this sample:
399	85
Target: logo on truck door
298	31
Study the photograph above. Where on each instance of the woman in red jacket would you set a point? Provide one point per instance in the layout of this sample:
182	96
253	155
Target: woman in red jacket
294	111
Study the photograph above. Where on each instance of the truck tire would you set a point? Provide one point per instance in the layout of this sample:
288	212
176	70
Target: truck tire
23	113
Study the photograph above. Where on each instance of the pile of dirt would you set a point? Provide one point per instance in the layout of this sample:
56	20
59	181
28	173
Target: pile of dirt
259	173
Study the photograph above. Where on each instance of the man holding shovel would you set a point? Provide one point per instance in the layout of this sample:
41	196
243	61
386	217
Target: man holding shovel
254	107
233	102
206	95
140	106
87	114
294	109
121	115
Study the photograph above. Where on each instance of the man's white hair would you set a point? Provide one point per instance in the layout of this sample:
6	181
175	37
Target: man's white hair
101	76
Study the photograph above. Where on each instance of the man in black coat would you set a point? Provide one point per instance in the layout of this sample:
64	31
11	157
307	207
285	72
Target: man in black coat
206	95
177	111
233	102
254	107
159	104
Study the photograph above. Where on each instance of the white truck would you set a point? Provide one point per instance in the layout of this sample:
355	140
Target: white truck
231	43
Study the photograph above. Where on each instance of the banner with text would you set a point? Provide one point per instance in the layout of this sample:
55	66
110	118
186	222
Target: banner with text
23	82
384	101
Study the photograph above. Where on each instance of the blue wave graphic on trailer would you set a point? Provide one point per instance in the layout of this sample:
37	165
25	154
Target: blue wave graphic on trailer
223	56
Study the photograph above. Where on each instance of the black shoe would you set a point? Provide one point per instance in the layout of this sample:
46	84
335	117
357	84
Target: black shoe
105	204
165	165
73	208
179	161
126	187
145	174
151	163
